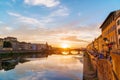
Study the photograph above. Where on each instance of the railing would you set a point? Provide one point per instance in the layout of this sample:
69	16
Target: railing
116	78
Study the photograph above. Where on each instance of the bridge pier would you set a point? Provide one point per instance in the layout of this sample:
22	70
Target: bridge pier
70	52
78	52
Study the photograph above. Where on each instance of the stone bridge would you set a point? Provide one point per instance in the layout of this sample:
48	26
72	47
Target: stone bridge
70	51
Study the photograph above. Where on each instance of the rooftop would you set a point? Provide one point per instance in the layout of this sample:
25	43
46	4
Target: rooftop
115	14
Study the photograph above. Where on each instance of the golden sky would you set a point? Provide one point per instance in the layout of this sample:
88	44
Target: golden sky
75	22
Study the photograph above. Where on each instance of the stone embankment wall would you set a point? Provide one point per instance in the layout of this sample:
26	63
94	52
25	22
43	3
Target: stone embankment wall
105	69
116	65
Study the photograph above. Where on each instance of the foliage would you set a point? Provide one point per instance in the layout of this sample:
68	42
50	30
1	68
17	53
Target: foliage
7	44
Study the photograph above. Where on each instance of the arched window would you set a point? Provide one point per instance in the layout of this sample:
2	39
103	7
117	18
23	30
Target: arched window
119	41
119	31
118	22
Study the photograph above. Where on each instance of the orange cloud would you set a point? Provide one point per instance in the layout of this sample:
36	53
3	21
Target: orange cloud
74	39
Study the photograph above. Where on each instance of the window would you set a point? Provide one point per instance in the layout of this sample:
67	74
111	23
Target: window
118	22
112	39
119	41
118	31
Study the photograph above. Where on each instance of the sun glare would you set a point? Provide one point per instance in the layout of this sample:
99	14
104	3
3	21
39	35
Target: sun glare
65	45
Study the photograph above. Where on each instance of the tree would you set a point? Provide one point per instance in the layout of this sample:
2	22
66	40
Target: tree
7	44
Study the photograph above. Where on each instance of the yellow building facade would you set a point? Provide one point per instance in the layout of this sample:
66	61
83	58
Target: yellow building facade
110	34
118	31
100	43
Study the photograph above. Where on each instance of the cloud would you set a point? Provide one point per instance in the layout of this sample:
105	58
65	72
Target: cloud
77	36
73	32
43	21
5	30
55	16
26	20
8	28
62	11
46	3
14	14
73	38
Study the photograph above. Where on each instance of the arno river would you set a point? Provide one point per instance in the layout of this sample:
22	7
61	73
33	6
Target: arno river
53	67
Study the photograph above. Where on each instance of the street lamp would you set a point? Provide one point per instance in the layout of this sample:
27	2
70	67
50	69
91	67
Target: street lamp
108	44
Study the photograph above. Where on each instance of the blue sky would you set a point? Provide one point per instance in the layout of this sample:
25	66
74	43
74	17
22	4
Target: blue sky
75	22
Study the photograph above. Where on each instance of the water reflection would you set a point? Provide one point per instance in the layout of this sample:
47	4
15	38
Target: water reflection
10	64
54	67
65	52
72	52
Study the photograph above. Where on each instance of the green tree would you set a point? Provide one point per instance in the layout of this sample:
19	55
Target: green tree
7	44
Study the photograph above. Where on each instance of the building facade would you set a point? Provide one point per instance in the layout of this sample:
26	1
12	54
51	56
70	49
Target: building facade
118	31
110	36
110	30
1	43
13	41
25	46
100	43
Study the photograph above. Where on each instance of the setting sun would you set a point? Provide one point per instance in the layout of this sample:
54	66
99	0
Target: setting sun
64	45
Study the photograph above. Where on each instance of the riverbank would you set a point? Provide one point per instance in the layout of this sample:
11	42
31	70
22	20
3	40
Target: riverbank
88	71
13	55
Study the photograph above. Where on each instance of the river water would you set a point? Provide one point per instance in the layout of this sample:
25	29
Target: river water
53	67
